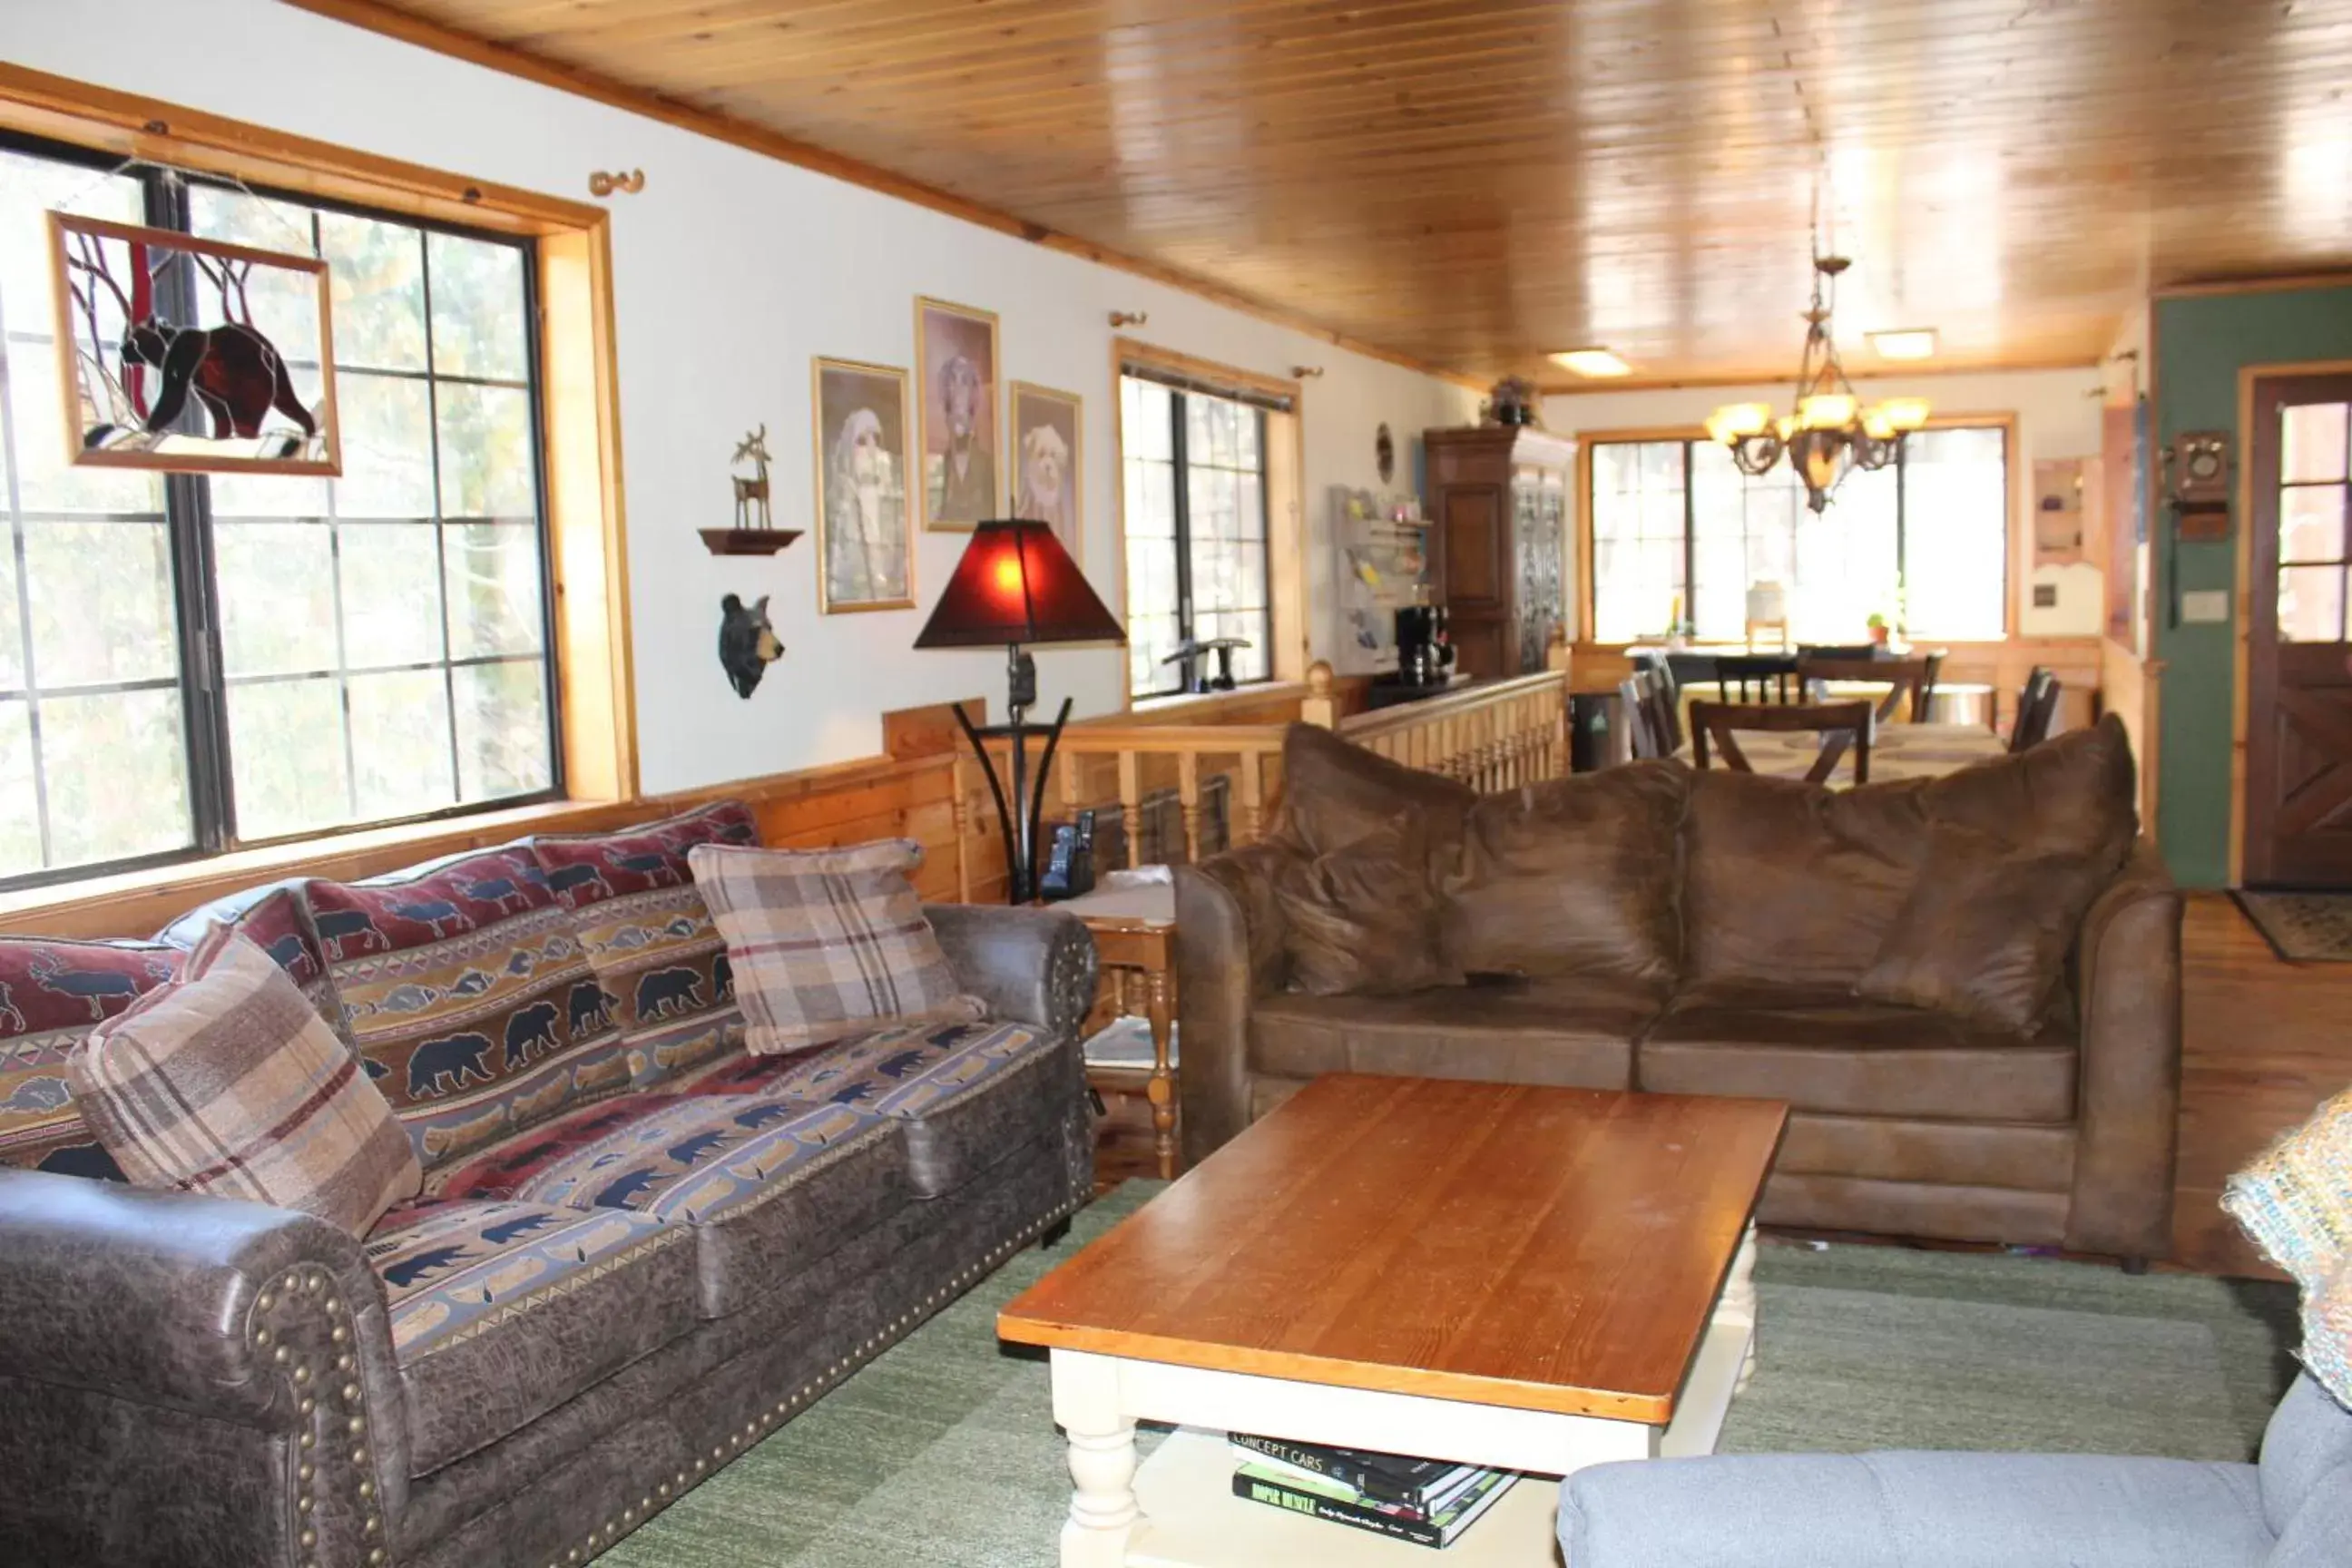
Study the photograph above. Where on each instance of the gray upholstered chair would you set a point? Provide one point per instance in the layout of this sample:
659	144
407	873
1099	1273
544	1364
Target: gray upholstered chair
1979	1510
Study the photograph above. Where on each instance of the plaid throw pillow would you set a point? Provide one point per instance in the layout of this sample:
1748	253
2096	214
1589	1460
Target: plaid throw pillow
228	1082
828	943
2295	1202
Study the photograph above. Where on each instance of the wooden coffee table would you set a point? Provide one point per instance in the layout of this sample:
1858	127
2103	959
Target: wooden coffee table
1534	1278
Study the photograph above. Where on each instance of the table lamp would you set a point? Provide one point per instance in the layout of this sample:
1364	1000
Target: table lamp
1016	586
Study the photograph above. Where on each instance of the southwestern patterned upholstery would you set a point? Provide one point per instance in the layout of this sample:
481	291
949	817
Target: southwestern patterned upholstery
228	1081
666	979
277	919
470	998
627	1265
52	994
961	1094
468	1283
828	943
770	1187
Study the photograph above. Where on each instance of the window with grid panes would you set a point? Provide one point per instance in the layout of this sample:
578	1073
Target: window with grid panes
193	663
1197	564
1677	528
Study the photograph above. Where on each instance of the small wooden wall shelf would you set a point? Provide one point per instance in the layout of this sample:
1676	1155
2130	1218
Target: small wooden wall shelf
747	541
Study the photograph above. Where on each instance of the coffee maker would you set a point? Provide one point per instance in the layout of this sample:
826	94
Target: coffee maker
1424	646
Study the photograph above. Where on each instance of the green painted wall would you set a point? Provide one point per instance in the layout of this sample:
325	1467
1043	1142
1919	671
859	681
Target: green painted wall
2201	343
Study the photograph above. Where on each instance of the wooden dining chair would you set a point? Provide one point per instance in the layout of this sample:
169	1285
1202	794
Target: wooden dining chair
1922	699
1914	678
1840	725
1758	677
1665	708
2037	708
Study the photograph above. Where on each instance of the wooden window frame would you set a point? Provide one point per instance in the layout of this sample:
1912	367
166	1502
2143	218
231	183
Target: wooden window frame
1285	507
2015	584
580	437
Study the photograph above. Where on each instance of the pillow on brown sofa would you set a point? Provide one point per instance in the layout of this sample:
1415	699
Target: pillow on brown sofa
1573	875
1335	793
1984	935
2017	850
1362	920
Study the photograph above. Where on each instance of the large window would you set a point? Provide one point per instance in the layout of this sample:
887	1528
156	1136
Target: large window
1196	531
1677	530
191	663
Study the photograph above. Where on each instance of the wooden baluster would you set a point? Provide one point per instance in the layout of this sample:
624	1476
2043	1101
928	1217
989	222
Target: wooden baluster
1319	708
1130	805
1188	796
959	808
1249	796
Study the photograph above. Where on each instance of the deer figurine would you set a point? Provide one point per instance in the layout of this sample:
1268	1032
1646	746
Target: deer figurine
751	494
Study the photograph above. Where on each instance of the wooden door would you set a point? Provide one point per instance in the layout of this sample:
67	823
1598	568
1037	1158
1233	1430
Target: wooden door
2299	715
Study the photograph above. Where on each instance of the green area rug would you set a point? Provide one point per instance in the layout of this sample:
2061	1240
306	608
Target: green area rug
943	1451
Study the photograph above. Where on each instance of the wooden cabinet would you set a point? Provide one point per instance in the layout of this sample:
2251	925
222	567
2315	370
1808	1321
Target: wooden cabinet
1498	537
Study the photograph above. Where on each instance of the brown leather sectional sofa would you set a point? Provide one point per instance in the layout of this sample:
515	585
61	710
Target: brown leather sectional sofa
1653	928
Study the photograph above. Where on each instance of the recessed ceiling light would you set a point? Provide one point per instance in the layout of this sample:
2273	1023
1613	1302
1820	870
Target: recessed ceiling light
1591	363
1911	342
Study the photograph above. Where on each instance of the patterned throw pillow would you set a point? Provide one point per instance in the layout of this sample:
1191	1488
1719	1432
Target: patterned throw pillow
52	993
2295	1202
230	1082
827	943
661	964
469	996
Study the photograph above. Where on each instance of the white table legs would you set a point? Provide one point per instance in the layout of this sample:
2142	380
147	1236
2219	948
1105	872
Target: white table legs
1102	1461
1737	1304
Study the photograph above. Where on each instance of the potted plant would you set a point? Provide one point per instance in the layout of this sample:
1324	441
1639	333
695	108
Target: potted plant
1879	630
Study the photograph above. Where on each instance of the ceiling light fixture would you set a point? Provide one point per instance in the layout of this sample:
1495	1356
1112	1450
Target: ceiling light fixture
1592	363
1909	342
1831	432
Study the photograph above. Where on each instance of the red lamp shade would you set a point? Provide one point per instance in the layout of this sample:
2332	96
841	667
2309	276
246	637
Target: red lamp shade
1016	584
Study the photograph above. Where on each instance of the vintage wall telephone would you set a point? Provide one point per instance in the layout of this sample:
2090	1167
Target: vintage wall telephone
2197	476
2197	482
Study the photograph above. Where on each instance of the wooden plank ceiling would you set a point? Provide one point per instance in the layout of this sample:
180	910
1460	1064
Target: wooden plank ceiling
1475	183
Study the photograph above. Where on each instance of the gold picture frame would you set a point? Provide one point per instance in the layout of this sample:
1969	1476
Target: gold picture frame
851	401
1045	451
111	340
959	484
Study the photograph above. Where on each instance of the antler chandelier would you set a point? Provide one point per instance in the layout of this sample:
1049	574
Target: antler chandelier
1831	432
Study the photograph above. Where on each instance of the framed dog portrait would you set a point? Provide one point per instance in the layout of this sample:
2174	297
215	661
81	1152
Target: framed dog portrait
1045	448
191	354
865	535
955	357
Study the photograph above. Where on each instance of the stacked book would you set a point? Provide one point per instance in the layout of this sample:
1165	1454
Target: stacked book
1426	1501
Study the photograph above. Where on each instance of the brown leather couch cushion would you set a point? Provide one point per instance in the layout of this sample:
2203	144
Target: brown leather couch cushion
1914	1208
1335	795
1912	1149
2017	851
1789	885
1362	920
1829	1052
1578	1035
1574	876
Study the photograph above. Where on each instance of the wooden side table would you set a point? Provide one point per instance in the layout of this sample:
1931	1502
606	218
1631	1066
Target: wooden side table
1134	929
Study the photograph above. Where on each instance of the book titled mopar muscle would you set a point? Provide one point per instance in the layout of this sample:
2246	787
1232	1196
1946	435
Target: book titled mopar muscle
1395	1476
1256	1483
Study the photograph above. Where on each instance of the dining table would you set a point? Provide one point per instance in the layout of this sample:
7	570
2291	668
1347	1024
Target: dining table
1897	751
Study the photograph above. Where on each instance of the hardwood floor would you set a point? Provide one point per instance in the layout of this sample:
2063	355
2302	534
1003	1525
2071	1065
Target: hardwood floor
2264	1042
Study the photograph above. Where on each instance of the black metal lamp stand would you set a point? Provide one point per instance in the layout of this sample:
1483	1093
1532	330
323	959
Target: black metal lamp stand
1019	810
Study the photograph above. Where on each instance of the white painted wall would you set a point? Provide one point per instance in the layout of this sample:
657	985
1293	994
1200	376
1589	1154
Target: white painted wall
2057	417
730	271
